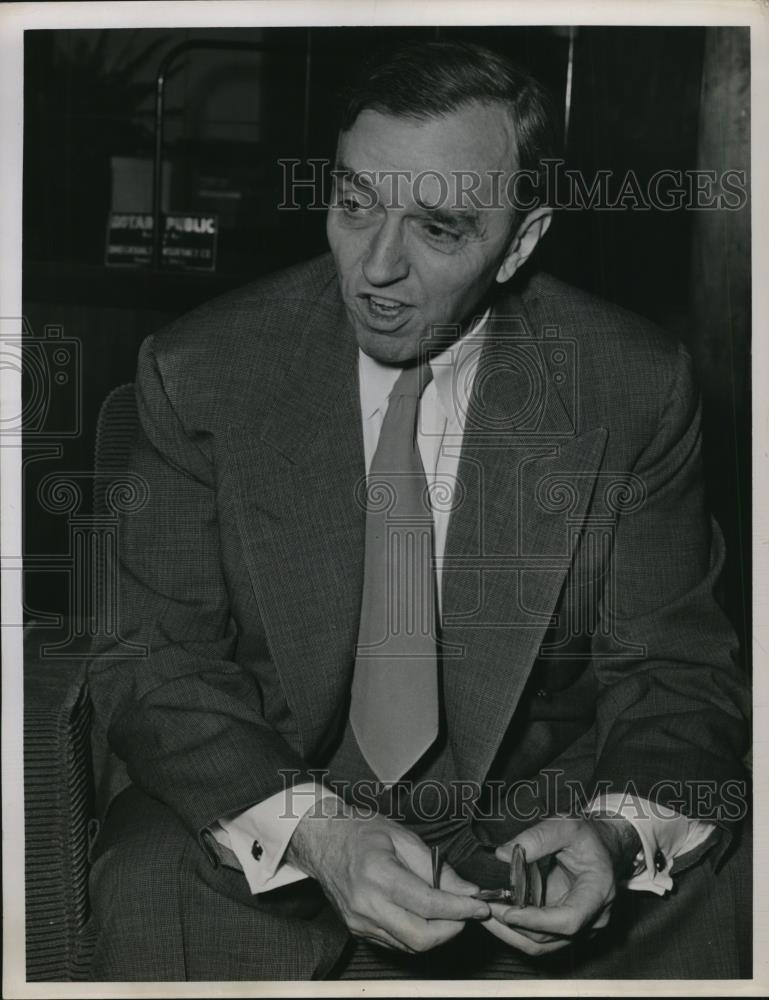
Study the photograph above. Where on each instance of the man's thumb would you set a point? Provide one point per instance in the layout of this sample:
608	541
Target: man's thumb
546	837
451	882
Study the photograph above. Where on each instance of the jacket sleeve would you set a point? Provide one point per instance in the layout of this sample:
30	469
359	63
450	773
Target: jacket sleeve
185	718
672	703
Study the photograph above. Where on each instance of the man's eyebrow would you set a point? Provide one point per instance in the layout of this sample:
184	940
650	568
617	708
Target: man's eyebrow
466	219
341	170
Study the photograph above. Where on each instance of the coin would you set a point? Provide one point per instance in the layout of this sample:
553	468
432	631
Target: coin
526	882
519	877
536	885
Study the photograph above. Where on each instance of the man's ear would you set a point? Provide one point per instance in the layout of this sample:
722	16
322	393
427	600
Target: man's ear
529	233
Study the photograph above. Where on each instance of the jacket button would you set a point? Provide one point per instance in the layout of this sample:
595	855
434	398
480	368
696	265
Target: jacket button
659	861
256	850
544	694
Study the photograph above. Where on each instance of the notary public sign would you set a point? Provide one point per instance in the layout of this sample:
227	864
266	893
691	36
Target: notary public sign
189	241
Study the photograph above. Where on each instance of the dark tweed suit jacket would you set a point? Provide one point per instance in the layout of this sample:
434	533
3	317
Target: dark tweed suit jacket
577	591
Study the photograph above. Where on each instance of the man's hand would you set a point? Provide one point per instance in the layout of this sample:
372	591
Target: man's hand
378	875
589	856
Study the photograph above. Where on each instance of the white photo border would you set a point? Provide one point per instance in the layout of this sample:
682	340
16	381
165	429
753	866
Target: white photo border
17	17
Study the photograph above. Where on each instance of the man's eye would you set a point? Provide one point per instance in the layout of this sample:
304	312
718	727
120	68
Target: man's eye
439	234
356	206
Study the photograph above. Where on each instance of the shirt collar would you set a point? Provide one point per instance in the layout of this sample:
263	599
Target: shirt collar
453	370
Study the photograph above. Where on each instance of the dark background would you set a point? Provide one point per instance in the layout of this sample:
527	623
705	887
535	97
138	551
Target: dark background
642	99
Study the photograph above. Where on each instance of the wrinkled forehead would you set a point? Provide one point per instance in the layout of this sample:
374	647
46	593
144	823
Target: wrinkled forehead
461	156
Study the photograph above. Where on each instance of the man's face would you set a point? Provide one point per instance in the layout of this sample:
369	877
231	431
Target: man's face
411	255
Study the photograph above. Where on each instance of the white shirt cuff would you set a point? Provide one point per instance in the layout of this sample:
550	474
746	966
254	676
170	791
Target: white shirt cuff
664	834
259	836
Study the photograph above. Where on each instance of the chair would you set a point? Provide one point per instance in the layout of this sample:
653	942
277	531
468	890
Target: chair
58	780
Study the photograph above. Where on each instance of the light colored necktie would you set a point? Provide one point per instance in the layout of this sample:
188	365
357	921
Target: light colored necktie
394	699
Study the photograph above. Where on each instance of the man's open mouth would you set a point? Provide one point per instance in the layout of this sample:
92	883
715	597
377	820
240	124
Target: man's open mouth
383	310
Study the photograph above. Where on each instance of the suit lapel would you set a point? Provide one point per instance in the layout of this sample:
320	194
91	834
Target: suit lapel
509	545
511	539
302	527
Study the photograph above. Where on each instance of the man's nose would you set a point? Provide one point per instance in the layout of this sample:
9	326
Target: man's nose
386	260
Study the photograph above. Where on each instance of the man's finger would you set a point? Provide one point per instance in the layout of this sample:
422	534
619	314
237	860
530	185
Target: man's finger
498	910
414	933
384	940
421	865
412	893
581	908
521	941
539	840
451	882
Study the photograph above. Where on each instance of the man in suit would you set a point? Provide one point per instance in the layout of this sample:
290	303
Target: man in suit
286	749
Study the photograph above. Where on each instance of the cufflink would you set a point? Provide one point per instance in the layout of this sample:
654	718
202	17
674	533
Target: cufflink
659	861
256	850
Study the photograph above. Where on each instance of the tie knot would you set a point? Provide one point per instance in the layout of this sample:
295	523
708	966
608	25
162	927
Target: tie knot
413	381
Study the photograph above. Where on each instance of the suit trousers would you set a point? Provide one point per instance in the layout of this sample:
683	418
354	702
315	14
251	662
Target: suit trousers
163	912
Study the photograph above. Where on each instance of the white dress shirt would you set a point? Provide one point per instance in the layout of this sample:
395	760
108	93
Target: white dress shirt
664	835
